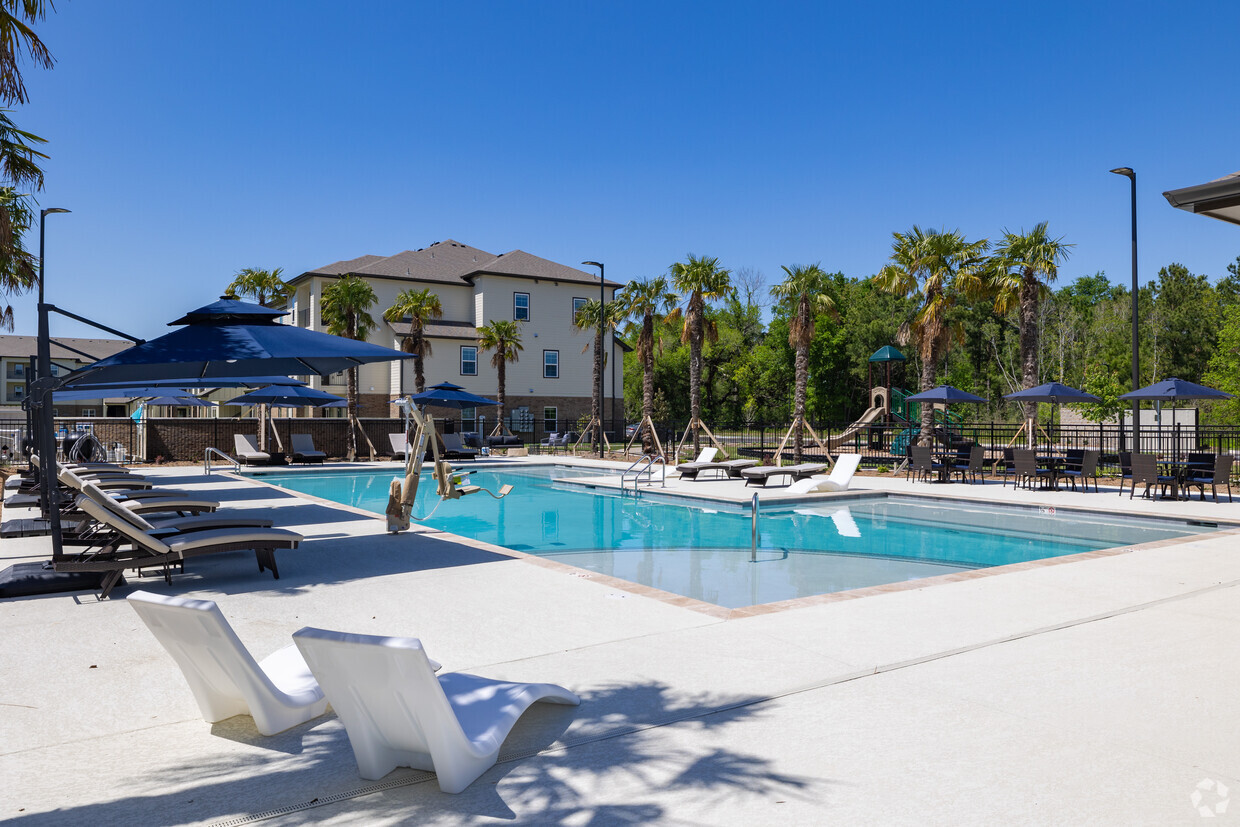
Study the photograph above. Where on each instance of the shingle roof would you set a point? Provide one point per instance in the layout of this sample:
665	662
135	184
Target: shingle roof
25	346
452	262
339	268
524	265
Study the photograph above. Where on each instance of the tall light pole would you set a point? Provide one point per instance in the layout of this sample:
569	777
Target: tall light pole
47	439
598	343
1128	173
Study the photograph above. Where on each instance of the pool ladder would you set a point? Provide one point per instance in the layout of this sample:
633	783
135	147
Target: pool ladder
644	465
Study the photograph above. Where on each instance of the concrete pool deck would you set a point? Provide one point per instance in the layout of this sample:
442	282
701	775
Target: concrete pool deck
1097	691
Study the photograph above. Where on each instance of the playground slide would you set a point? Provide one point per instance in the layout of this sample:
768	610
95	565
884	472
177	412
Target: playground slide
851	431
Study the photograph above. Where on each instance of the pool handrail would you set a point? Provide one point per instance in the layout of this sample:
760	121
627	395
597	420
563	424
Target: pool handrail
206	460
648	461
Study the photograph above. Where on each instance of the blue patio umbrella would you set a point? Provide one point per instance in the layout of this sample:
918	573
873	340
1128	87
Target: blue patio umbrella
157	387
180	402
232	338
945	395
288	396
1053	393
448	395
1173	389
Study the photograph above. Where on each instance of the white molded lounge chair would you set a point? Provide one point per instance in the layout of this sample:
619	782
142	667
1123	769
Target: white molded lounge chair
841	476
399	714
304	450
280	692
400	445
247	450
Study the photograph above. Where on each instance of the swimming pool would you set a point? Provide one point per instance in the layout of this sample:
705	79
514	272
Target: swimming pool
703	552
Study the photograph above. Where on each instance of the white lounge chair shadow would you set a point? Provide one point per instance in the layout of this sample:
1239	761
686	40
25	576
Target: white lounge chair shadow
280	692
839	480
397	713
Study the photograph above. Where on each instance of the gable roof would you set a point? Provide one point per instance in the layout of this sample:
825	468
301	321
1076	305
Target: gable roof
524	265
452	262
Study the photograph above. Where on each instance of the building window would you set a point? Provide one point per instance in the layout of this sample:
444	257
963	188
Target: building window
551	364
469	360
88	411
19	369
578	303
521	307
55	369
17	391
551	419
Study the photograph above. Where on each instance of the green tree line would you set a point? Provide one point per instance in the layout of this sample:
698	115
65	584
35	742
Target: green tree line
1078	333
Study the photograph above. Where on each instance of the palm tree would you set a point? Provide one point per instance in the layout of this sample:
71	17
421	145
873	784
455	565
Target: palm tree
938	267
650	300
19	167
345	307
806	287
1022	267
261	285
587	317
419	306
702	280
503	337
15	33
17	266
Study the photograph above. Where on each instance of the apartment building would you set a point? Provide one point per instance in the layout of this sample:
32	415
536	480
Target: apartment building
552	379
68	355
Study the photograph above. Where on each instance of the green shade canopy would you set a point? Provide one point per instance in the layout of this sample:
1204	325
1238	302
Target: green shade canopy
887	353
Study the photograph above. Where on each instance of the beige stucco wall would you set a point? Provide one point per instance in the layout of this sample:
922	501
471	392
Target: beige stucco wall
489	298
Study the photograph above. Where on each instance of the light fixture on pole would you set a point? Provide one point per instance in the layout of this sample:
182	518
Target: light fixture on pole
48	488
1128	173
602	317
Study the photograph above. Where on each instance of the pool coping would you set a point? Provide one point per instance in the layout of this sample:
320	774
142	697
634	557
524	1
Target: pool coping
725	613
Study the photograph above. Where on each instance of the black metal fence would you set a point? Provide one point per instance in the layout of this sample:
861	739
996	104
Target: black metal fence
183	439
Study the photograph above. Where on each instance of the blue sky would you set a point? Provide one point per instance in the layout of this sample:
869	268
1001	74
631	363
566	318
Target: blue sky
195	139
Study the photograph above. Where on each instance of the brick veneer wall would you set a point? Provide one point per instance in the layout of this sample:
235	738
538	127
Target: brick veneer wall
185	439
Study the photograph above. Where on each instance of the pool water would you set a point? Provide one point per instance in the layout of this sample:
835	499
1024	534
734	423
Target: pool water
704	552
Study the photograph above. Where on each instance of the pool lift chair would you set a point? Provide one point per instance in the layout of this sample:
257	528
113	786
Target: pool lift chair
450	484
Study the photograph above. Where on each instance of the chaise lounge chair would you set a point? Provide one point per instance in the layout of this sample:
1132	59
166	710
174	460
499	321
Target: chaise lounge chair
247	450
151	551
705	458
841	476
304	450
455	448
148	520
731	469
763	474
400	445
278	693
397	713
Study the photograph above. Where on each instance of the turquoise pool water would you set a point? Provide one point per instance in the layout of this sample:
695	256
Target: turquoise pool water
704	552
